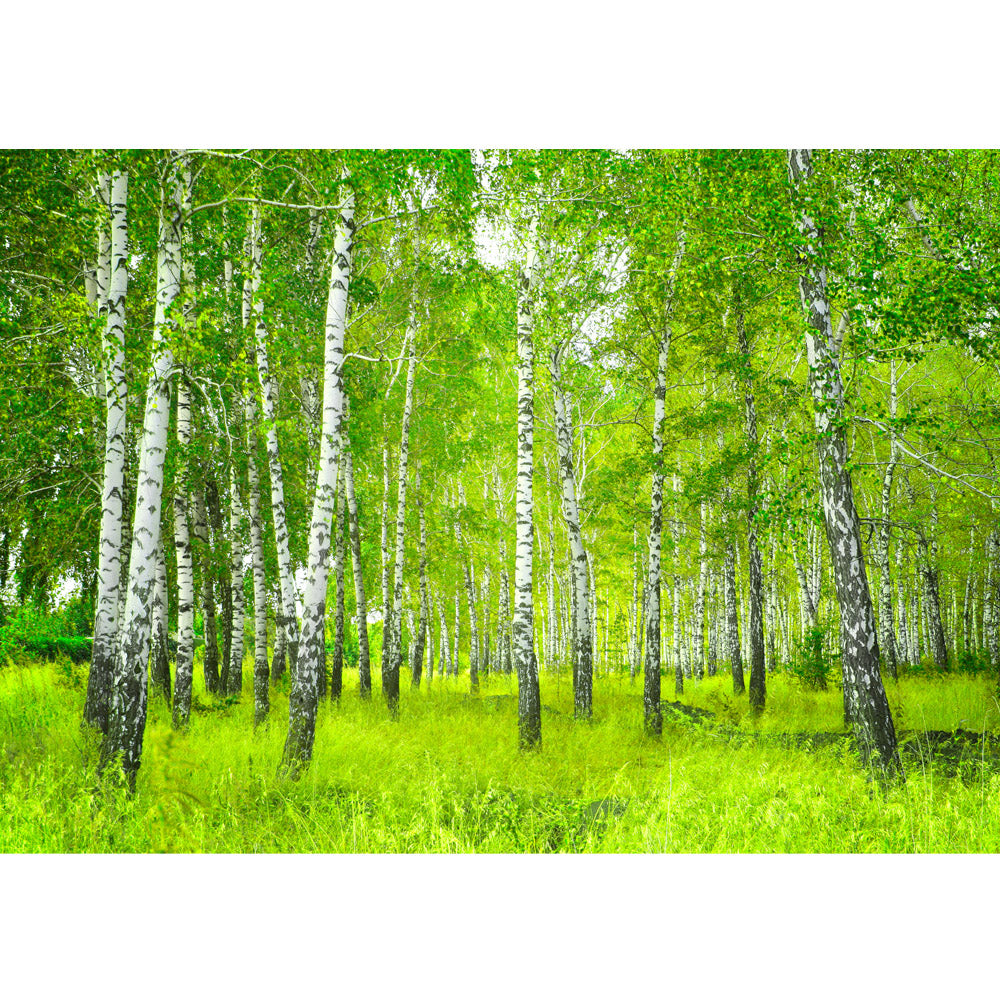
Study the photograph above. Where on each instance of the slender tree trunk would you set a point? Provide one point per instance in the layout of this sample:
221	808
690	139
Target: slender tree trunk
95	712
261	667
583	651
225	590
529	700
470	594
653	713
869	706
361	605
390	676
234	668
286	619
312	652
211	661
184	669
340	529
732	619
160	665
127	717
423	626
757	693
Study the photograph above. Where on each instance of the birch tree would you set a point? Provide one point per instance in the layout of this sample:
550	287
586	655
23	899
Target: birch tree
863	685
127	719
95	711
304	694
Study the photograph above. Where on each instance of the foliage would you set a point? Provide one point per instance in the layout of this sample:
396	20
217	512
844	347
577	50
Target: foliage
30	633
811	662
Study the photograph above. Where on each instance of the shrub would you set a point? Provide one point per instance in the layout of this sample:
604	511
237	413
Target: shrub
809	662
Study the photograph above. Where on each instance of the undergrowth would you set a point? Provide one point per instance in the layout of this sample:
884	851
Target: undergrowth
447	777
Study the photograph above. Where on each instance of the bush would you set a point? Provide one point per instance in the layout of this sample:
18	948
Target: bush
809	663
30	632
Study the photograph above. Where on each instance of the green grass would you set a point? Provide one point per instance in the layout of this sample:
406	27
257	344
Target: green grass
447	776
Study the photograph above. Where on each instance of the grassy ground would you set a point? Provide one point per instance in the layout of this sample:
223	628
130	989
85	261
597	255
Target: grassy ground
447	777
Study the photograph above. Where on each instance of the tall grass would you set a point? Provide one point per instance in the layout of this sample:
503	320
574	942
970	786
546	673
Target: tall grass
447	776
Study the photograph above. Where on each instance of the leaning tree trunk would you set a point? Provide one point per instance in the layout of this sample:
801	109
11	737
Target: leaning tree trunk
757	692
184	668
269	412
529	706
312	652
360	603
869	706
95	712
127	717
583	653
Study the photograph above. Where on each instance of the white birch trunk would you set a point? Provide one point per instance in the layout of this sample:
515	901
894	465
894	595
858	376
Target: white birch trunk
394	631
583	653
360	601
864	693
109	571
653	713
184	668
261	667
127	718
529	700
312	653
269	406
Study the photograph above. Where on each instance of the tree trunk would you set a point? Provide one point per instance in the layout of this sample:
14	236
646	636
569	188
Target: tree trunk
583	652
339	530
261	667
423	625
390	676
233	685
312	651
184	668
127	716
653	713
211	661
757	693
160	665
361	605
287	619
95	712
529	700
869	706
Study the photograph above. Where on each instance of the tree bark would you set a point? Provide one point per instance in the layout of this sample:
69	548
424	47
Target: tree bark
127	717
261	667
360	603
95	712
757	693
865	694
312	652
583	652
184	668
529	712
269	413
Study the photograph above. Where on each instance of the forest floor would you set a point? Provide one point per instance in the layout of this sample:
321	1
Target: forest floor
447	776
